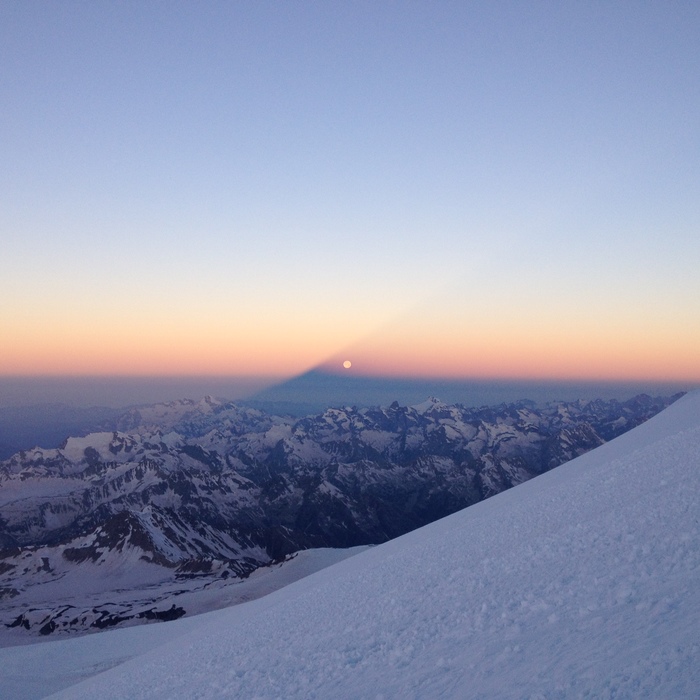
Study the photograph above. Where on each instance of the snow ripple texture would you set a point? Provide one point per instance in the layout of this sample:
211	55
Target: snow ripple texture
581	583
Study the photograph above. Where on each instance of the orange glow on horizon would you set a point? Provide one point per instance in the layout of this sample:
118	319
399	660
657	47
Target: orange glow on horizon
517	353
505	359
165	347
489	345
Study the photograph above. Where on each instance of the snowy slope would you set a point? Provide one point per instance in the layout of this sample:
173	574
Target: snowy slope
580	583
30	671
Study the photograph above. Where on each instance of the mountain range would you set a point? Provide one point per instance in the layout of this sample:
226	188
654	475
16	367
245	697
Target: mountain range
180	497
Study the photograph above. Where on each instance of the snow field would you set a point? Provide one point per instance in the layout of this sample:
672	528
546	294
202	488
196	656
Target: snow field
34	669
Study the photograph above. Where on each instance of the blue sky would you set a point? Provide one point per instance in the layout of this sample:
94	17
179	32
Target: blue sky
257	188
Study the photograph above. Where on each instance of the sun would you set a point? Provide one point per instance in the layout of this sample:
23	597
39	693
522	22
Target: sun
347	364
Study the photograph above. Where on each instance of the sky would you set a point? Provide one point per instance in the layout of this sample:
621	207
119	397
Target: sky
485	189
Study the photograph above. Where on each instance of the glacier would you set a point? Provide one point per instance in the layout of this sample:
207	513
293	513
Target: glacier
580	583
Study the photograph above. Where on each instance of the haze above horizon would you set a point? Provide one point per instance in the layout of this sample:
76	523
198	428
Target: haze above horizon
501	191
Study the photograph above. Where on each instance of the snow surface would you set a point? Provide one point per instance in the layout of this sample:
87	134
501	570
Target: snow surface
581	583
34	669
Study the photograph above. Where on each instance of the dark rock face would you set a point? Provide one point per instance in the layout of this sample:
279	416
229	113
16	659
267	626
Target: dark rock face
193	483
